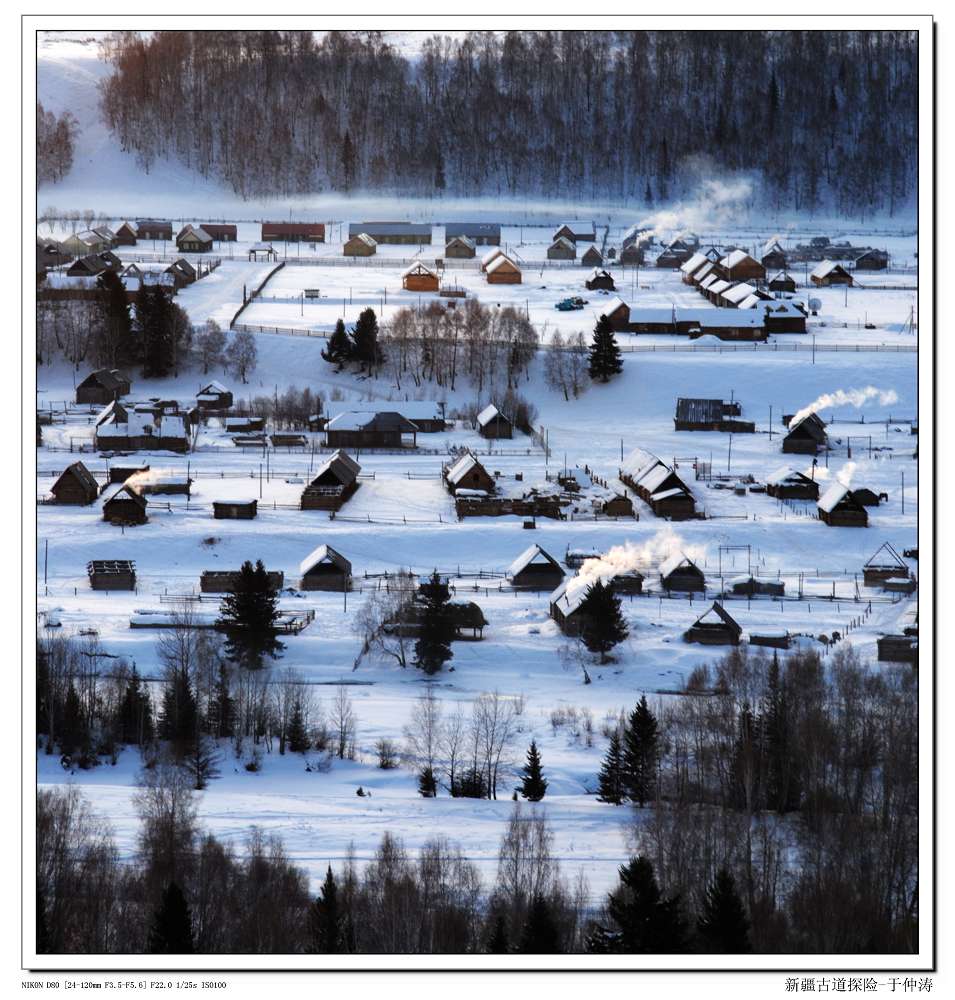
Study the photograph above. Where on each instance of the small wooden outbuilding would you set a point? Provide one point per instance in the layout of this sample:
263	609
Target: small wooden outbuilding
325	569
600	278
740	266
830	273
213	396
789	484
418	277
222	581
592	257
715	627
632	255
782	281
460	248
370	429
359	245
224	232
577	231
491	423
193	239
839	509
333	484
898	649
112	574
535	569
872	260
806	437
502	271
127	234
102	387
680	573
75	485
234	510
125	506
467	473
618	313
562	249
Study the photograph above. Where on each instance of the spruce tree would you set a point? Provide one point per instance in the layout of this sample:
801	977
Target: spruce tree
180	714
118	346
298	741
365	347
73	731
722	925
325	919
640	754
436	630
339	350
605	360
497	943
533	782
610	783
202	760
603	622
782	779
427	783
154	309
135	722
221	713
171	930
540	934
643	921
748	764
248	614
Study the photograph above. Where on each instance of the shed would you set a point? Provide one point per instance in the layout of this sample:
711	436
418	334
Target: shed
592	257
617	312
460	248
467	473
335	481
632	255
359	245
223	581
618	505
674	256
125	506
102	386
112	574
562	249
715	627
782	316
806	436
478	233
754	586
370	429
788	484
491	423
154	229
578	231
213	396
325	569
898	649
535	569
75	485
773	256
126	234
418	277
234	510
566	605
782	281
775	639
830	273
502	271
872	260
293	232
600	278
839	509
680	573
193	239
884	564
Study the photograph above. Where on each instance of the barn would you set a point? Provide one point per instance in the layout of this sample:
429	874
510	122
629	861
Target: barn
333	484
234	510
224	232
830	273
370	429
577	231
126	234
467	473
193	239
562	249
418	277
600	278
111	574
75	485
359	245
618	313
491	423
213	396
710	415
592	257
102	387
325	569
788	484
806	436
460	248
681	574
535	569
715	627
125	506
293	232
740	266
839	509
154	229
782	281
872	260
503	271
400	233
479	233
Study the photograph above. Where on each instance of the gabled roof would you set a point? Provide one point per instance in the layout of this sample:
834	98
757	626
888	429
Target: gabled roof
697	260
826	268
739	292
462	467
787	474
213	388
488	414
700	273
599	272
370	420
197	231
708	411
501	262
108	378
609	307
892	558
128	493
736	258
363	238
782	276
462	239
677	561
491	254
324	553
418	267
771	246
532	554
718	611
342	466
810	424
638	463
79	471
837	494
562	243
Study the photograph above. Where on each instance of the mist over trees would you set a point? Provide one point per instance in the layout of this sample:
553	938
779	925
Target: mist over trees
639	115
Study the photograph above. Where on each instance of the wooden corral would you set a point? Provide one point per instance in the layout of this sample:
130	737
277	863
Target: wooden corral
535	569
333	484
715	627
491	423
418	277
75	485
125	506
234	510
111	574
325	569
102	387
224	581
679	573
533	505
288	440
839	509
467	473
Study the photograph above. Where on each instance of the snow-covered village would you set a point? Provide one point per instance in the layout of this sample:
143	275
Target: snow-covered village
534	572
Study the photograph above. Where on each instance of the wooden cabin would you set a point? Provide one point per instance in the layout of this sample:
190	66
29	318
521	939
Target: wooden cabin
600	278
127	234
577	231
119	472
91	265
222	232
674	256
535	569
225	581
753	586
118	429
740	266
491	423
467	474
867	497
370	429
75	485
773	257
658	486
87	242
789	484
898	649
479	233
774	639
333	484
567	606
617	506
398	233
325	569
460	248
715	627
618	313
244	425
125	506
102	387
710	415
562	249
193	239
830	273
359	245
782	281
679	573
418	277
427	416
293	232
632	255
490	257
154	229
592	257
806	437
111	574
839	509
872	260
182	273
781	316
502	271
213	396
884	564
234	510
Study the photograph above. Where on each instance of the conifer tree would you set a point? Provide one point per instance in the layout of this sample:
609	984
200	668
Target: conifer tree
427	783
325	919
248	615
135	713
643	922
171	930
782	778
605	360
349	161
610	781
540	934
118	348
154	309
640	754
497	943
533	782
180	714
747	765
365	347
73	730
221	713
603	622
339	350
433	647
202	760
298	741
722	925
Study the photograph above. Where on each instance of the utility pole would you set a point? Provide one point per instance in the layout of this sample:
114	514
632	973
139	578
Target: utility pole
770	421
903	492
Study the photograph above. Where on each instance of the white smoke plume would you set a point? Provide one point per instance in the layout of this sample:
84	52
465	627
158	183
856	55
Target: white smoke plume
846	397
845	474
713	204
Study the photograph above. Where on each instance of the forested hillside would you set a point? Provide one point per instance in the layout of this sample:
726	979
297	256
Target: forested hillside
819	118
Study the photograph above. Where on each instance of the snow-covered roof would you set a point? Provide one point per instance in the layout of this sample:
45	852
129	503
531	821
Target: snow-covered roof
739	292
609	307
461	468
213	388
771	246
697	260
533	553
364	238
491	254
654	477
499	262
638	462
699	274
324	553
826	267
785	474
720	286
418	267
564	244
461	238
735	258
751	301
782	276
832	497
488	414
666	494
598	272
675	562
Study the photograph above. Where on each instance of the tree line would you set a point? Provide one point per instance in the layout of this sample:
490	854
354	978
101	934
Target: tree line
637	115
55	139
